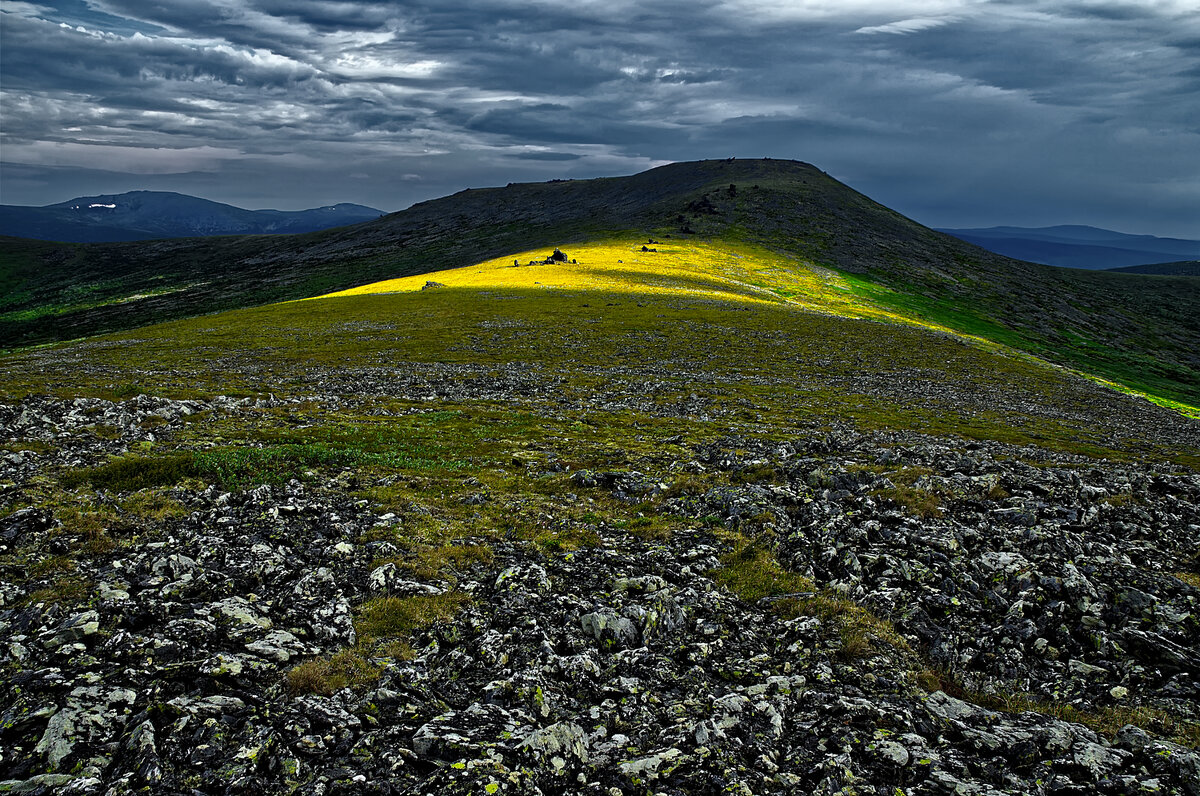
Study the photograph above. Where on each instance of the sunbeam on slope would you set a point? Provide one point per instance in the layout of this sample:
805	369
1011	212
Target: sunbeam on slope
724	271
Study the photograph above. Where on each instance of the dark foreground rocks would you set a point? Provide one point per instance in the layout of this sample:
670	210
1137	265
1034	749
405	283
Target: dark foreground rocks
620	667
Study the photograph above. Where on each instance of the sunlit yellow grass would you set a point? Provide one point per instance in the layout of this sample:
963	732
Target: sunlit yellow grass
679	269
694	269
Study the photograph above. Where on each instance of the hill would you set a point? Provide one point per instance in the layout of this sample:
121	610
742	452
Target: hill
1186	268
719	511
146	215
1073	246
1144	334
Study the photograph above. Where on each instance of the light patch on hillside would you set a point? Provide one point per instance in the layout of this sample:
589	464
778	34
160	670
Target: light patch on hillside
724	271
683	268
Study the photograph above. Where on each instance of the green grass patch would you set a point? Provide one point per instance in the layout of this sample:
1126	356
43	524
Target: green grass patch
241	466
1068	337
908	493
1190	578
433	562
691	484
68	589
53	565
652	528
758	474
751	572
861	631
26	445
150	505
131	473
349	668
559	540
772	366
390	617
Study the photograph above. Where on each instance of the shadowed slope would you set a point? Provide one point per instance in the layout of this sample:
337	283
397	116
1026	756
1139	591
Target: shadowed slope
1183	268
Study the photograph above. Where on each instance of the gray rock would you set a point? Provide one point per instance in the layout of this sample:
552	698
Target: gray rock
42	783
72	630
652	767
611	630
947	707
557	744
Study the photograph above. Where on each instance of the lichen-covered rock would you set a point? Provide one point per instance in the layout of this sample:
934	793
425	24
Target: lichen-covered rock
619	666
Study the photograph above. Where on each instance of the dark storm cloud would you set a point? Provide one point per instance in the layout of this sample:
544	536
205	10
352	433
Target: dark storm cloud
957	112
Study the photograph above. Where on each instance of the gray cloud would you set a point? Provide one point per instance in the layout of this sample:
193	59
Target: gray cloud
956	112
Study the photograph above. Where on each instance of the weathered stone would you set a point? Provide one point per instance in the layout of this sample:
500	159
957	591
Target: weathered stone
652	767
610	630
564	740
72	630
619	663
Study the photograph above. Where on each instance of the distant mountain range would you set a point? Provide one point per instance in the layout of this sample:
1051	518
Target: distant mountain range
1073	246
147	215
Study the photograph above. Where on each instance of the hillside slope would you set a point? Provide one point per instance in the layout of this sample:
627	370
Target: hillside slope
1183	268
1140	333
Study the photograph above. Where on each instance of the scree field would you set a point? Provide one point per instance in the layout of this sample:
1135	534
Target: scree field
682	512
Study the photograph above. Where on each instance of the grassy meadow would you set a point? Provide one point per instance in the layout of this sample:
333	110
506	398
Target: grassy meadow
752	338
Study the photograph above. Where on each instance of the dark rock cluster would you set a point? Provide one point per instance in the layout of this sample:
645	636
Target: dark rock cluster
1061	581
557	256
623	667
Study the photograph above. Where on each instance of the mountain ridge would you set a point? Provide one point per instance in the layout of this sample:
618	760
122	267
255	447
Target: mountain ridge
150	215
1179	268
1078	246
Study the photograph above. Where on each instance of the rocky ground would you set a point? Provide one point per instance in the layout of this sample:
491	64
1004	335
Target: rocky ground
837	612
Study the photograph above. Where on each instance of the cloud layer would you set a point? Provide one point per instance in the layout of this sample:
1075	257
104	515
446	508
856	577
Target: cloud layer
956	112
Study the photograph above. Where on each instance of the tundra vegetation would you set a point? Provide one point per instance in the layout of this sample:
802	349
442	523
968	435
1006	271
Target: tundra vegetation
710	518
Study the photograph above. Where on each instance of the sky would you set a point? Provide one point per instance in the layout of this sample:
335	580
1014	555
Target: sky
957	113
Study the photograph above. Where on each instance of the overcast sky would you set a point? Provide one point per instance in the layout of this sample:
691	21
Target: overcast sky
954	112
